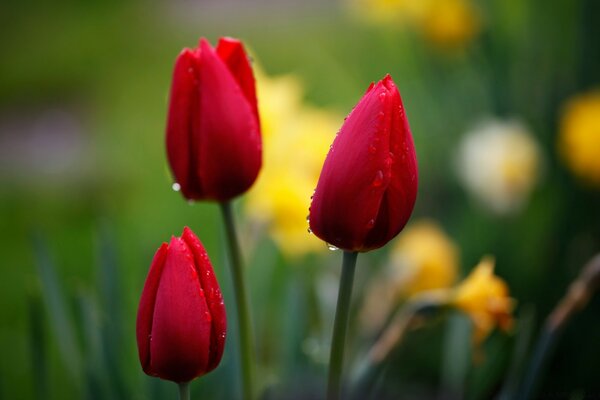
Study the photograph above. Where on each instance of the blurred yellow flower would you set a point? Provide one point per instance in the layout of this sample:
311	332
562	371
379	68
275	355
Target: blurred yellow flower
579	137
450	23
485	299
391	12
445	23
423	258
499	162
296	138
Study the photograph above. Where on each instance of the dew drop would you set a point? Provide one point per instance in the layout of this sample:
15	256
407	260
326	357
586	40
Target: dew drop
176	187
370	224
309	231
378	181
331	247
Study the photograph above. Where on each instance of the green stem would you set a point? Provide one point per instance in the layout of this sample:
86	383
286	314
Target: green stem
241	300
338	341
184	391
542	352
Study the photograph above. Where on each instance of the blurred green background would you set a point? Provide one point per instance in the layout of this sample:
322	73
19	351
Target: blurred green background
86	198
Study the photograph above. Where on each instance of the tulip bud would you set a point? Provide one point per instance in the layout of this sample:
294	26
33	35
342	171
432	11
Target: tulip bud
181	322
368	184
213	131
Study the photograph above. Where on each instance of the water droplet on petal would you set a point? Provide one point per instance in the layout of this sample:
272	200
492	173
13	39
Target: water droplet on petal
378	181
331	247
370	224
176	187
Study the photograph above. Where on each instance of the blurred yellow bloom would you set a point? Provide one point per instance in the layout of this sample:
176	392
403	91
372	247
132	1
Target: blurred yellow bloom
499	162
445	23
451	23
579	138
423	258
396	12
485	299
296	138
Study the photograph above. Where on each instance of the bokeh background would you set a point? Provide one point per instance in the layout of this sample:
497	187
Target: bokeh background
504	105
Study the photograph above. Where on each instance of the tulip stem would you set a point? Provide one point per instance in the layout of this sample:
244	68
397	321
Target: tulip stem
338	341
184	391
241	300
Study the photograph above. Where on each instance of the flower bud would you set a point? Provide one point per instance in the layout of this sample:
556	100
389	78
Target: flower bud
368	184
213	131
181	322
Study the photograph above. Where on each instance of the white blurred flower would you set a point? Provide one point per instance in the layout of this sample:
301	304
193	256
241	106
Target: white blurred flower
499	163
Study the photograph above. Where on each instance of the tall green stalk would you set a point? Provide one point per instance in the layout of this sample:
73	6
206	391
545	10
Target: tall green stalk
241	300
184	391
338	341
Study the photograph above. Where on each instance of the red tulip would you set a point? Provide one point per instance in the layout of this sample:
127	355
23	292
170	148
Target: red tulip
181	322
368	184
213	131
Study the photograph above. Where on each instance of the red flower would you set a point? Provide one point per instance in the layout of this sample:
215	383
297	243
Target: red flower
213	131
368	184
181	322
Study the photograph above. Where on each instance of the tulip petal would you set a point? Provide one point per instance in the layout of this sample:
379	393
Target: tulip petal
214	298
233	54
367	188
184	108
355	175
230	152
180	332
146	307
400	196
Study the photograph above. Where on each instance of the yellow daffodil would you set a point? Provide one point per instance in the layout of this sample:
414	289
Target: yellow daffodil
485	299
579	137
296	138
423	258
396	13
444	23
450	23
